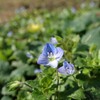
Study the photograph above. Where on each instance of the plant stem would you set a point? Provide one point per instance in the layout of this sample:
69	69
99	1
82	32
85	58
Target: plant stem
57	85
74	78
28	86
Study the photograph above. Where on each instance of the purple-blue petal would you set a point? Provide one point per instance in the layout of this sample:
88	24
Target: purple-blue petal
67	68
42	60
71	69
59	53
49	48
66	64
62	70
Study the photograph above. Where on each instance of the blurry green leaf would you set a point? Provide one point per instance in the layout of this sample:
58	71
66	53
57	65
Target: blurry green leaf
5	91
99	54
24	95
92	37
6	98
13	85
86	71
8	52
81	22
21	70
78	95
5	70
2	56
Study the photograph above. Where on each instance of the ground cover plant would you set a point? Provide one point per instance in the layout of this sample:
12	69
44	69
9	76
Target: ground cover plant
51	55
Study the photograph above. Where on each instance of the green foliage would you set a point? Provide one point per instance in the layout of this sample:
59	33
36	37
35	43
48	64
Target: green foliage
92	37
5	70
78	94
21	42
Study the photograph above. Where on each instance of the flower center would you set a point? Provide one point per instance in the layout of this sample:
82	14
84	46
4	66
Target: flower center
51	56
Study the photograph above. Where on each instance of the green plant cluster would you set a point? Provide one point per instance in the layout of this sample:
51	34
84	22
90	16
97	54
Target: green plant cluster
21	42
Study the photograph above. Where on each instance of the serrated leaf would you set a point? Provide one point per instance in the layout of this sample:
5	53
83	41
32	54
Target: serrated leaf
33	83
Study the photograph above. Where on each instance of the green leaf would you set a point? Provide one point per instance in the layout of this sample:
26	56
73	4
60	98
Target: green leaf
21	70
37	95
5	70
86	71
33	83
92	37
81	22
13	85
78	94
24	95
2	56
6	98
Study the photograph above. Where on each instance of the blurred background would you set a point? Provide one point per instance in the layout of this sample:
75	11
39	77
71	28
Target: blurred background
10	7
26	25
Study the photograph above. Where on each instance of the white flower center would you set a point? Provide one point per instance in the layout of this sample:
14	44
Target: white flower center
51	56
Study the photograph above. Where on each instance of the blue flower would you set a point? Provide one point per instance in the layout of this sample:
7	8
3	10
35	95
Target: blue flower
37	71
50	55
10	33
53	40
66	69
73	10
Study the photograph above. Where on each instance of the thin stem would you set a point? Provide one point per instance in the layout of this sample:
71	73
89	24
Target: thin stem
28	86
57	85
74	78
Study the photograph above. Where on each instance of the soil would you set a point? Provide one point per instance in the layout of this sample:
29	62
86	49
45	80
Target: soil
9	8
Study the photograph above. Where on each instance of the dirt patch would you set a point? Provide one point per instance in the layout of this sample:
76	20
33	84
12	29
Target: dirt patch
9	8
